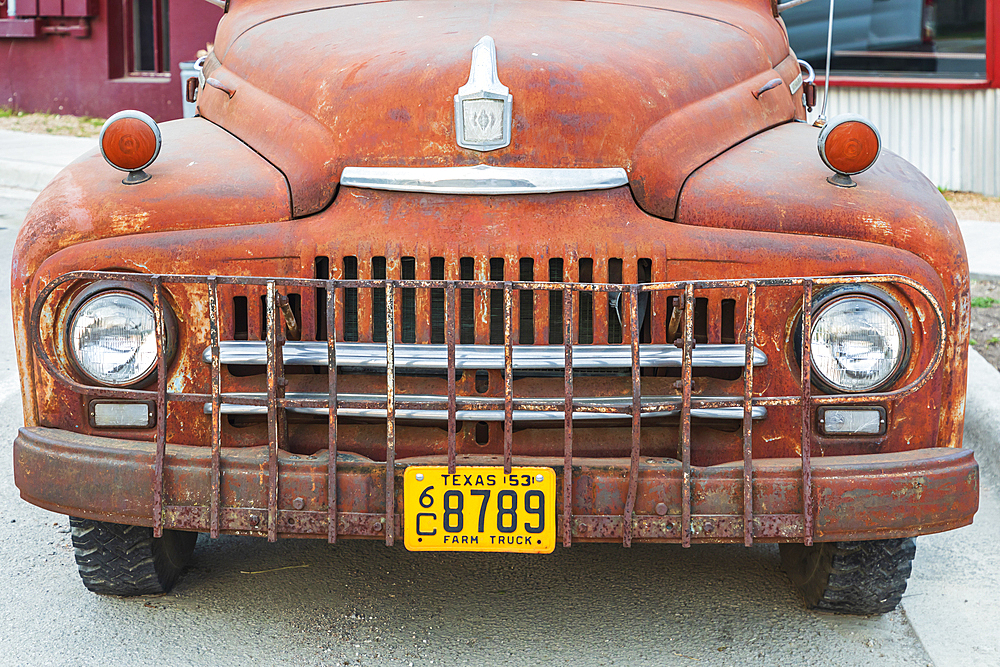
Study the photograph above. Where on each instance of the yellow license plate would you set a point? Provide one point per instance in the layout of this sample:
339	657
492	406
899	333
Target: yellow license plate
479	509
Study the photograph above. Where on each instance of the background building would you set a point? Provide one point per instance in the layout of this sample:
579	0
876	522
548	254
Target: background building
96	57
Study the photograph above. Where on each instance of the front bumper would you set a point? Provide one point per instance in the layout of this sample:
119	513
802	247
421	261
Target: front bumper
867	497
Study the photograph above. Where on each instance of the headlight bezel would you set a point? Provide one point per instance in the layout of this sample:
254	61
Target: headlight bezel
139	291
826	299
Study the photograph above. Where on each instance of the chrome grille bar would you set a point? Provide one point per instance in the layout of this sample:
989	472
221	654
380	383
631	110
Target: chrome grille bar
483	357
486	408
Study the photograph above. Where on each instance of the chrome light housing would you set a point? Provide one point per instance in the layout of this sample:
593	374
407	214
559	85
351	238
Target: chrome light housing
858	342
111	337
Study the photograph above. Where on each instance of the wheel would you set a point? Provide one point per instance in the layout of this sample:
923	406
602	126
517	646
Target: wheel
851	577
127	560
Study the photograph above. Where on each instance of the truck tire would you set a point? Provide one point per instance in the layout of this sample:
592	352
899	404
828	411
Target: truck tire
851	577
115	559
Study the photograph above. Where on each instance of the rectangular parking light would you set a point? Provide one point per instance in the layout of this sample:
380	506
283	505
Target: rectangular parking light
121	415
852	421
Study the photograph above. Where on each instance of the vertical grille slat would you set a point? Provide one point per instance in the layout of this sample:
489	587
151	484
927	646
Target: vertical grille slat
365	302
526	303
727	324
658	303
437	303
408	302
602	303
555	302
240	322
351	332
422	306
586	310
481	323
321	271
378	320
616	311
467	315
496	302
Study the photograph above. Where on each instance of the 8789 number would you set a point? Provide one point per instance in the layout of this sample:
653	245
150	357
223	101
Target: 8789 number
507	512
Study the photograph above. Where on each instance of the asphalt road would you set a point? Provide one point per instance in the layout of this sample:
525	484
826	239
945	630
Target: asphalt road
304	602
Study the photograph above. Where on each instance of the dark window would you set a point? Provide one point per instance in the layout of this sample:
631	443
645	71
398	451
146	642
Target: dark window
138	37
917	38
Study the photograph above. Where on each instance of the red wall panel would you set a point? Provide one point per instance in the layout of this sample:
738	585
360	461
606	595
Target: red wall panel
49	7
27	8
79	7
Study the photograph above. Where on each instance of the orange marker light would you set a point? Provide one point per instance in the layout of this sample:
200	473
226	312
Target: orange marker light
130	141
849	145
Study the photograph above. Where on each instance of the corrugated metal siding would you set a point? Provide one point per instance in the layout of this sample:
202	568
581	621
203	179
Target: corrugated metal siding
950	135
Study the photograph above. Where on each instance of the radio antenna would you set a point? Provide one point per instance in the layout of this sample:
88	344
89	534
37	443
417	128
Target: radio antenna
821	120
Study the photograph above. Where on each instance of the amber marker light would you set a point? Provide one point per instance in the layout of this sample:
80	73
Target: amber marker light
848	144
130	141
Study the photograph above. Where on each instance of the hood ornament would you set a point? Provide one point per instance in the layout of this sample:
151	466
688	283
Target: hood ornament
483	105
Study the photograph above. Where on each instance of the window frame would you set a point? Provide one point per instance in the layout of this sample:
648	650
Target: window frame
122	41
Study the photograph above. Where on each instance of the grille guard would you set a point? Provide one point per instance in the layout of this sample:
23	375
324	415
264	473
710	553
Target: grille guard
277	403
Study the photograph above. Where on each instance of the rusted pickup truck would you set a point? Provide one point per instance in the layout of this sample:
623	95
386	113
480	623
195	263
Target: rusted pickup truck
586	280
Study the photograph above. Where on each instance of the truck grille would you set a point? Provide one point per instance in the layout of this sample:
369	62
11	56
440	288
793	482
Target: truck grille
537	313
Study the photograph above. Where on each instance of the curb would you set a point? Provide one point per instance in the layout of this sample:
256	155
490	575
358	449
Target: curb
26	175
29	161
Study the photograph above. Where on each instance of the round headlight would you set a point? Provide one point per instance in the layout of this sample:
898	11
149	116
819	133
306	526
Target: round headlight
857	343
112	337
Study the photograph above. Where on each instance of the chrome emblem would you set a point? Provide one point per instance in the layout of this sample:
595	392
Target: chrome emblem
483	105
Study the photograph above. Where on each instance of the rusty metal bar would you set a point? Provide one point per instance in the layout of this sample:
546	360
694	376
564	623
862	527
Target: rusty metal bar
567	519
449	329
213	315
366	298
540	302
601	316
161	406
658	300
392	260
751	315
275	390
512	268
686	374
806	366
508	378
390	424
633	470
481	302
331	467
336	273
817	281
422	271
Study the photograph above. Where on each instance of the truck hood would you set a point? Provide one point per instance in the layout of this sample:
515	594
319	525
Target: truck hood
315	87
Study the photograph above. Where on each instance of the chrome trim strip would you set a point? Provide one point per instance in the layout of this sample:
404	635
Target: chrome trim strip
487	414
483	179
483	357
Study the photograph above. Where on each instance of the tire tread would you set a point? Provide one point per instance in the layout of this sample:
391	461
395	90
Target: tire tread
117	559
861	578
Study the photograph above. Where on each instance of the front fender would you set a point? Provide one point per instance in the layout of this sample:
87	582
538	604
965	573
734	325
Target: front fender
775	182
